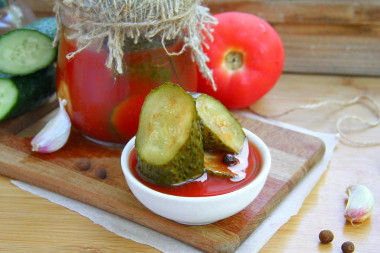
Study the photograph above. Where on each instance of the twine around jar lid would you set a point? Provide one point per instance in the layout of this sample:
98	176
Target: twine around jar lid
112	21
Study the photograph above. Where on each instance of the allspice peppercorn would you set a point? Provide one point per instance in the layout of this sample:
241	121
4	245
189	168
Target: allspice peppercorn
101	173
83	164
326	236
229	159
348	247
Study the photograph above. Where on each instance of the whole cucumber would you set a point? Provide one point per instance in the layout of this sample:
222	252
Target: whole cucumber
20	94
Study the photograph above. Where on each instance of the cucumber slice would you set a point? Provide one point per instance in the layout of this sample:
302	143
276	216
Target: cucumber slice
8	96
169	139
20	94
221	131
24	51
214	167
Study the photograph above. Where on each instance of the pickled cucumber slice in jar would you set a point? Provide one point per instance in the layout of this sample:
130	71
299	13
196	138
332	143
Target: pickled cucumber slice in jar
169	138
221	130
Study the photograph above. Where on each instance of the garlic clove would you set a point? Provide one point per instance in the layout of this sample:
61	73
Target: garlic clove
360	203
55	133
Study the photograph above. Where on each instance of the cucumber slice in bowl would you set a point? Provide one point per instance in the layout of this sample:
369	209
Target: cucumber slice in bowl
169	139
25	51
221	131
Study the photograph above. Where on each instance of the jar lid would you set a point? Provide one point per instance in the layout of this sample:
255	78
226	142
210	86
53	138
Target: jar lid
114	20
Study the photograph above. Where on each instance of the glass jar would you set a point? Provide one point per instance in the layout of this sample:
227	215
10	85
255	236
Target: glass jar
14	14
105	105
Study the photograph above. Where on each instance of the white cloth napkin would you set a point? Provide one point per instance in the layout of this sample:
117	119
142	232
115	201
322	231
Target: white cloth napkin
128	229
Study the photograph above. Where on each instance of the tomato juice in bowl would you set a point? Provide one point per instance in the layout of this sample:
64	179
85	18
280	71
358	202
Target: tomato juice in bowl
198	208
105	105
246	169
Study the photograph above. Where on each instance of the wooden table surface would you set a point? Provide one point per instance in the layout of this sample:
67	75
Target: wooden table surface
32	224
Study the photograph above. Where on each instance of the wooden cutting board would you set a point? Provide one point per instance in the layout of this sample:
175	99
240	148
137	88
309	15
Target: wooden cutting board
293	155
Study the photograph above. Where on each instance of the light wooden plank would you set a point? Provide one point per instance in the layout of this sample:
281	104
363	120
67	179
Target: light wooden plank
57	172
305	11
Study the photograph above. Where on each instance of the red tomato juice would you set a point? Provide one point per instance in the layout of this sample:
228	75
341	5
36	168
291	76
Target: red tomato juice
210	185
104	105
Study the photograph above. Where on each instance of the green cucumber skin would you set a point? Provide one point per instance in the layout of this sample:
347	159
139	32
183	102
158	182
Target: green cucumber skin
211	141
188	164
47	26
33	90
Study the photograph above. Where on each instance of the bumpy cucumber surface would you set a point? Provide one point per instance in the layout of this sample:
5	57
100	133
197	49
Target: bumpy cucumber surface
20	94
221	131
169	139
26	50
47	26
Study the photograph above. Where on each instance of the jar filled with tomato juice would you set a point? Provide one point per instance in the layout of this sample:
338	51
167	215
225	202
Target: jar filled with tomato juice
105	105
113	53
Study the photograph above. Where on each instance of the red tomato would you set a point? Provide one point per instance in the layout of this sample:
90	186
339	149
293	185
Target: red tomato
125	117
246	57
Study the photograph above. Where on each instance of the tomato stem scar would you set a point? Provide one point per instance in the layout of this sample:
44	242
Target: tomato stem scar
233	60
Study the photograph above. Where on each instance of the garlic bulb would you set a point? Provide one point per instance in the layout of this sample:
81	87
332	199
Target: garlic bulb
55	133
360	203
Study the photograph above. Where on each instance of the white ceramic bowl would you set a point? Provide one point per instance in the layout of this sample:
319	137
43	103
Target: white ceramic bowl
198	210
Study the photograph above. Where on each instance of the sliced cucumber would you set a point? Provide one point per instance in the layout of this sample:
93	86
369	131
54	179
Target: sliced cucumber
26	50
214	166
8	96
20	94
169	138
221	131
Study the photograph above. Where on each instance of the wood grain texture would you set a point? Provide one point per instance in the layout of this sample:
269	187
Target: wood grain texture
57	172
324	207
319	37
361	12
33	224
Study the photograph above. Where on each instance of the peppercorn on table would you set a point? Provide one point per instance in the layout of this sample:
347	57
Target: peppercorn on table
33	224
